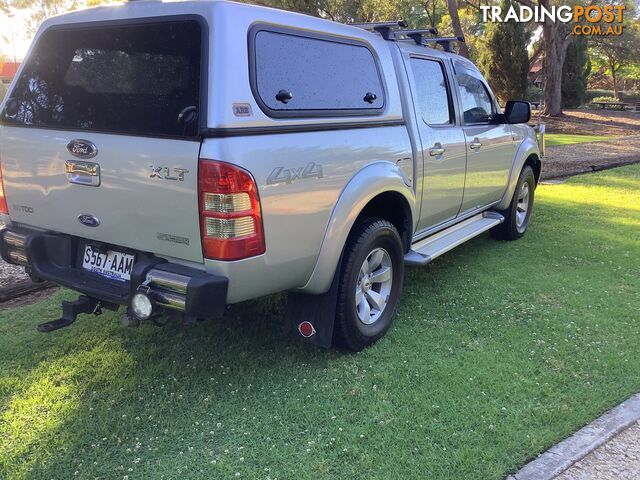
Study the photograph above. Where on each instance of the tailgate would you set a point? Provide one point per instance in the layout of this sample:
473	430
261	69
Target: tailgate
158	214
100	134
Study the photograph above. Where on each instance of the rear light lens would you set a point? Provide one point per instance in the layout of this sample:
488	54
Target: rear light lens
3	200
229	227
227	203
230	213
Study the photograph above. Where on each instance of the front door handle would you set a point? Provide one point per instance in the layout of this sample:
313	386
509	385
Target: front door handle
475	145
437	150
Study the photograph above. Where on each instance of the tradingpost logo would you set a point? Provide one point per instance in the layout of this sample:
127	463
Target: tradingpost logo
589	20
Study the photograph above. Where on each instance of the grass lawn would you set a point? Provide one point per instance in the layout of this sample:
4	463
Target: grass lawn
499	351
557	139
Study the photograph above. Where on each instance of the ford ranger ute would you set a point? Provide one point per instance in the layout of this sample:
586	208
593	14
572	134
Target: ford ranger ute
181	157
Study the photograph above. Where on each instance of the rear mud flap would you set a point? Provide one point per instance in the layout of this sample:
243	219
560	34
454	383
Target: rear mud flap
312	317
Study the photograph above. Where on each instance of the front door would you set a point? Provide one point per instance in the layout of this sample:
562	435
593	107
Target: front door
443	142
490	146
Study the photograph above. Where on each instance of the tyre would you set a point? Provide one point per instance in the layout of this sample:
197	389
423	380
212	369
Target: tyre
518	214
370	283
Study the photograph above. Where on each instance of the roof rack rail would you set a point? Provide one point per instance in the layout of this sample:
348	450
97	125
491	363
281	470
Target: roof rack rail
415	35
383	28
444	42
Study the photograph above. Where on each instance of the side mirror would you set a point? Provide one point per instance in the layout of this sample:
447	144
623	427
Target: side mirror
517	111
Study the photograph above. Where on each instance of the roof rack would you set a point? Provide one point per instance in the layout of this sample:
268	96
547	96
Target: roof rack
385	29
394	31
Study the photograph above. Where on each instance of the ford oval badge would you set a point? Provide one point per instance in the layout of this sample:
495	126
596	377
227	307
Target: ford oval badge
82	148
88	220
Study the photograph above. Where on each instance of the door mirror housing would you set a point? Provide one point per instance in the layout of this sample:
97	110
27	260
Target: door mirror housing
517	111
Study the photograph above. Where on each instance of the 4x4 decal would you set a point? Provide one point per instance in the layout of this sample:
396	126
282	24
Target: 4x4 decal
289	175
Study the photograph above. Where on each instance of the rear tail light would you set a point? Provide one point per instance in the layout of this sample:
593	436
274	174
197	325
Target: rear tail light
230	213
3	200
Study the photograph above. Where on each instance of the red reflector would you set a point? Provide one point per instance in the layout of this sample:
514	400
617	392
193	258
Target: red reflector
3	200
230	212
306	329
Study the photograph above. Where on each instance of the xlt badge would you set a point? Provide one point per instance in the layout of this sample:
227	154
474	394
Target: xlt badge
164	173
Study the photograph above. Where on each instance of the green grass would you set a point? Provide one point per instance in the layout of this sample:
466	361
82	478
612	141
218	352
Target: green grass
499	351
557	139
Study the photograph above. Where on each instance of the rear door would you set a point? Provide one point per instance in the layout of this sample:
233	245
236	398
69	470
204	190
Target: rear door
443	143
100	134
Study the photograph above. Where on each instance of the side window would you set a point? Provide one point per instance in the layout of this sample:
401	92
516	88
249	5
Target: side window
476	102
304	76
432	96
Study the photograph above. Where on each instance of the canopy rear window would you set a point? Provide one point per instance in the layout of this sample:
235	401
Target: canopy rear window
141	79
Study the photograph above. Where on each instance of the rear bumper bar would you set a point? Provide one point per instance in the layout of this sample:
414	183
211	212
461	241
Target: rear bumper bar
55	257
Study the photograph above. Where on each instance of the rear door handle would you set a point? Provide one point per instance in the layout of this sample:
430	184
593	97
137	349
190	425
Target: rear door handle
83	173
437	149
475	145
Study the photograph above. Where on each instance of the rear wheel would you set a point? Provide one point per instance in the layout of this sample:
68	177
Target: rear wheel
517	216
371	279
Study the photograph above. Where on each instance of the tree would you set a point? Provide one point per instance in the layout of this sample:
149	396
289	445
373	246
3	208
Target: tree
575	71
432	12
504	60
452	6
474	28
617	52
423	13
629	75
556	37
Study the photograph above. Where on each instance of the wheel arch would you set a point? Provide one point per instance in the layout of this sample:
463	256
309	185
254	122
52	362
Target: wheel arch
381	190
527	154
393	207
535	163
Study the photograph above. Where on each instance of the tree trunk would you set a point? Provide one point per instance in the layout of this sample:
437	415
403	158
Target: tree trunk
434	24
555	50
612	66
457	28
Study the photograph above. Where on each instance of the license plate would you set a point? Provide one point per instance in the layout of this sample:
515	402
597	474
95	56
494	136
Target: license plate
112	264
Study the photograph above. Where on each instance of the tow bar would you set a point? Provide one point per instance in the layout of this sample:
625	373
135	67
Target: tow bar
70	310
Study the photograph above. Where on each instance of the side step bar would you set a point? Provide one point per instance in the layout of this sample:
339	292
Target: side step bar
426	250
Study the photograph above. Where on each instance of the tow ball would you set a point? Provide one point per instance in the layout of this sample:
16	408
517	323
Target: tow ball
70	310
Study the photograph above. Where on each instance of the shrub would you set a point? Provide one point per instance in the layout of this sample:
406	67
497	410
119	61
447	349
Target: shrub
534	94
630	96
592	94
606	99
